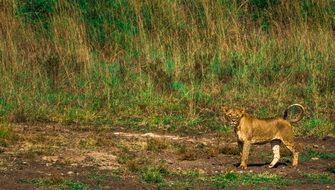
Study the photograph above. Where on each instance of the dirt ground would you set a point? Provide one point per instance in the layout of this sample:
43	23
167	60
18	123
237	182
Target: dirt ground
91	157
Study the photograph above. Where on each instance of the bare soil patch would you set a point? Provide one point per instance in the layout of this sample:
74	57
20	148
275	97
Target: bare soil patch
91	157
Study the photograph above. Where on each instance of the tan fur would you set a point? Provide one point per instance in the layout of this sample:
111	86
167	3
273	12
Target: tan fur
251	130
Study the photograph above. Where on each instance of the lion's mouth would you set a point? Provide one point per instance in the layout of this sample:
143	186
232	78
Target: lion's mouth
234	122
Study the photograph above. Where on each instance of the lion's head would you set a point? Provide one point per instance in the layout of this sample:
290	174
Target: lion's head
233	115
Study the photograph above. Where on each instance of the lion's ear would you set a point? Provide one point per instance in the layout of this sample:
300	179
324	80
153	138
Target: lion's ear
225	109
243	111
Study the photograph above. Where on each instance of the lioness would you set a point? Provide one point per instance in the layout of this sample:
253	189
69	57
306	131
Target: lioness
251	130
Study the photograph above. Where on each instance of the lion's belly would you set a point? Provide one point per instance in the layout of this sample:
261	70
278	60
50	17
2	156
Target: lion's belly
263	140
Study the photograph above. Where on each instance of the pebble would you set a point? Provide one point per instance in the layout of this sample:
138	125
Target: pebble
315	146
315	158
70	172
169	161
201	171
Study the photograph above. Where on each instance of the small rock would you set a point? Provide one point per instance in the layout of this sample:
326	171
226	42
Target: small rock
70	172
315	146
315	158
169	161
48	164
50	158
25	163
201	171
201	145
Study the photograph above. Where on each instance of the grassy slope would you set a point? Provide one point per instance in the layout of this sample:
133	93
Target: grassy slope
164	64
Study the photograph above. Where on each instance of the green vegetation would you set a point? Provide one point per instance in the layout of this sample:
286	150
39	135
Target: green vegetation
331	169
310	153
156	144
56	182
235	179
167	64
316	178
154	174
7	135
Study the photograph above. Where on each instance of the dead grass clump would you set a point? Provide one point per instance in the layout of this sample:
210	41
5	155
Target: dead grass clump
230	149
125	155
105	142
7	135
156	144
136	164
87	142
213	151
185	152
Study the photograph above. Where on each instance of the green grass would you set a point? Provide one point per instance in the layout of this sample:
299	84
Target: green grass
316	126
7	135
316	178
160	65
234	179
310	153
56	182
152	175
331	169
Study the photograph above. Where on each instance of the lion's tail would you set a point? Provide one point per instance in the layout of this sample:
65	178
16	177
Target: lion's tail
300	116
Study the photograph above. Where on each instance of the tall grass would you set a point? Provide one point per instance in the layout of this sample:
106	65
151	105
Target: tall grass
163	63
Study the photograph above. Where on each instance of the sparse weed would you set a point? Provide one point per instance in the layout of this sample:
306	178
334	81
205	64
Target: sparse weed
318	178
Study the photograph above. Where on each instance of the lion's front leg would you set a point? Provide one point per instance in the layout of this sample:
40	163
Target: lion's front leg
245	154
240	147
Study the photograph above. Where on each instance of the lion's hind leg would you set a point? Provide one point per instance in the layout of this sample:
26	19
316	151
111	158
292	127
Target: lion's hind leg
275	145
295	153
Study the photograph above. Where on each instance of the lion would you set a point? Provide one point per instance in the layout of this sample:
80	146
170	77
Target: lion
251	130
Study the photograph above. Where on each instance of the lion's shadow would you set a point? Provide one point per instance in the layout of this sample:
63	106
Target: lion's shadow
263	164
